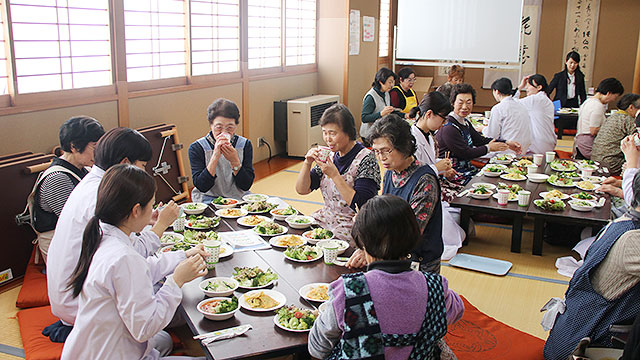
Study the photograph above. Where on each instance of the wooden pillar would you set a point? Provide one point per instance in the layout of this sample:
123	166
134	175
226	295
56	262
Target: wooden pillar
636	73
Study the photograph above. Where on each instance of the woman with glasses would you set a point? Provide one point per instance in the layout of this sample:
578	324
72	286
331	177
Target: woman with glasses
414	182
347	174
221	162
402	95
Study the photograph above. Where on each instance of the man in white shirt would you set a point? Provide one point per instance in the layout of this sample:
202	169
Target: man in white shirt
591	115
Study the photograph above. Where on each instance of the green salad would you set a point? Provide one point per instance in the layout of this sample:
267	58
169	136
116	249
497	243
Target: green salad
169	239
319	233
197	237
571	174
222	201
583	196
259	207
218	285
560	179
194	206
253	277
217	306
563	165
300	220
268	228
303	252
202	222
178	246
493	168
288	211
550	204
481	190
294	318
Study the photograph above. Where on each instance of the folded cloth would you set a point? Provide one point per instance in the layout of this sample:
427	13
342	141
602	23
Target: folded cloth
57	332
568	265
553	307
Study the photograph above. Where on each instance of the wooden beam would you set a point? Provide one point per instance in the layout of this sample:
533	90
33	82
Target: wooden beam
120	61
636	73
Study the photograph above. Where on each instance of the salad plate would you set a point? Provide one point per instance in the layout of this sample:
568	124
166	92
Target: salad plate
584	196
175	247
170	238
295	319
201	222
224	203
563	165
194	208
218	286
582	205
255	197
197	237
317	234
218	308
252	278
258	207
303	253
283	213
300	221
485	185
481	192
269	228
560	181
550	204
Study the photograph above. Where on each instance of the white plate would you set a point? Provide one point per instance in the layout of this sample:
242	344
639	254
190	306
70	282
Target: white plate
284	231
241	238
274	241
299	226
186	225
179	236
595	187
564	196
561	185
595	179
491	174
244	207
575	197
275	321
226	280
221	213
313	241
306	261
241	221
255	197
575	168
577	207
504	176
495	196
537	178
220	206
258	287
486	185
280	217
275	295
481	196
305	289
201	208
228	250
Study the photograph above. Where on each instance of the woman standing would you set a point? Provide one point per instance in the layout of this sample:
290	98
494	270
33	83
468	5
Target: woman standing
377	102
569	83
402	95
509	119
222	161
541	112
347	177
78	137
119	314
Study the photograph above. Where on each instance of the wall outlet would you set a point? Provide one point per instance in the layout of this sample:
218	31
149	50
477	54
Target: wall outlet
262	141
6	275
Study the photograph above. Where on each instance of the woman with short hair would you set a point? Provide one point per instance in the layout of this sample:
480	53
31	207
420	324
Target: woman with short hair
377	101
402	95
78	137
455	76
541	113
385	230
348	176
221	161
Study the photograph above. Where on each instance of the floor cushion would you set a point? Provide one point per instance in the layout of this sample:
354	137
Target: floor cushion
37	346
34	288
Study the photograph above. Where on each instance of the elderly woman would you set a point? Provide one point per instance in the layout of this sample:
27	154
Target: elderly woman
569	83
541	113
416	183
221	161
509	119
78	137
377	101
606	145
461	140
455	76
604	290
385	231
402	95
347	177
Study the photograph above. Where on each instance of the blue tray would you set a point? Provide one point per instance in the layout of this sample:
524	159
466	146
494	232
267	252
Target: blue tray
481	263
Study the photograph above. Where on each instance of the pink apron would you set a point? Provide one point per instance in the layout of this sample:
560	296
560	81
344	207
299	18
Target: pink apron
336	215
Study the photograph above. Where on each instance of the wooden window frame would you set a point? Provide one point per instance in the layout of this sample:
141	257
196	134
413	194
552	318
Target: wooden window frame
121	89
386	60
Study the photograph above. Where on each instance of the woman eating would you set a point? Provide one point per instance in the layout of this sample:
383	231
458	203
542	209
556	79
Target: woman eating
347	174
222	161
416	183
569	83
385	231
78	137
541	113
119	313
591	116
461	140
377	102
509	119
402	95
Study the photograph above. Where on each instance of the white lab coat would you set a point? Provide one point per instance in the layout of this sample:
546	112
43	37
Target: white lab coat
509	121
118	312
541	113
66	245
452	234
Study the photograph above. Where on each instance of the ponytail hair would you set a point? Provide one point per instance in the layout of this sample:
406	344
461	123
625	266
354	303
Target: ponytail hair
437	103
122	187
504	86
539	80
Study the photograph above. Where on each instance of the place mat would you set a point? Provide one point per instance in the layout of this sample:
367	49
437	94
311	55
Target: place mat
479	337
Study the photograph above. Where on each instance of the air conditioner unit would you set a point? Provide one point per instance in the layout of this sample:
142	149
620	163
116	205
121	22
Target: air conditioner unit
303	122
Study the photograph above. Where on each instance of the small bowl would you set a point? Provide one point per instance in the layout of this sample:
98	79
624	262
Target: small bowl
200	208
291	220
342	245
255	197
180	238
323	307
227	206
577	207
538	178
278	216
311	240
594	179
481	196
491	173
216	317
211	293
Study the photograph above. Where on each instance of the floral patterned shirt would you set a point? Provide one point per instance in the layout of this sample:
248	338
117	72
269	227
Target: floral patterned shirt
425	195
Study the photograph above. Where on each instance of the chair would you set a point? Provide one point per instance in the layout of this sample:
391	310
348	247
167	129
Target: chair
556	106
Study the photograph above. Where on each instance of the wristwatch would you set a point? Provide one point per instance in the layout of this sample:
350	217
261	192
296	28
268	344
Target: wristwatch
236	168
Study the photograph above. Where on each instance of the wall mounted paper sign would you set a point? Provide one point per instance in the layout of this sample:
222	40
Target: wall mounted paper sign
368	28
580	33
354	32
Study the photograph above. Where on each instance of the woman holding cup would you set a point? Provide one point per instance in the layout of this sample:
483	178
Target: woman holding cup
345	171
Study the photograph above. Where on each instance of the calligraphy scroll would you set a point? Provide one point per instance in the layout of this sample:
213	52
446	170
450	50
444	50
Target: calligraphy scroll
580	33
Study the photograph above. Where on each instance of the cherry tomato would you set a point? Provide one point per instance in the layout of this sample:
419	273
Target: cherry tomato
298	315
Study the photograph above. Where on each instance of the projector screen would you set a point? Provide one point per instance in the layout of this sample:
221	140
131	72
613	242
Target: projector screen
463	30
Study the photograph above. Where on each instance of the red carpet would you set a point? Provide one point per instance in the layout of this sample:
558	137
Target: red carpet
479	337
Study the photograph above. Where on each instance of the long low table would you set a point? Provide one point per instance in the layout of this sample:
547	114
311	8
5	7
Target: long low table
265	340
597	217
